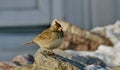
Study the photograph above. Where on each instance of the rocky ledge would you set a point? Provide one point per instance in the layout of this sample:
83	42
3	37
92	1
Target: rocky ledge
49	62
59	61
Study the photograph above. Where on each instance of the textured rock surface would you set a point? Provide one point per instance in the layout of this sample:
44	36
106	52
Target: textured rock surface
47	62
89	60
7	65
23	59
80	39
115	68
63	61
17	61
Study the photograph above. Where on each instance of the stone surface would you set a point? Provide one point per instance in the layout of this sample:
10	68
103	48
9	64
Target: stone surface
80	39
89	60
7	65
49	62
60	61
24	59
115	68
17	61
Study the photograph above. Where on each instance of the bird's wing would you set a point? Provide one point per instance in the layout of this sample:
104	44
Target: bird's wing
45	35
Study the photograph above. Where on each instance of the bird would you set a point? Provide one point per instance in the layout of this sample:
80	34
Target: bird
50	38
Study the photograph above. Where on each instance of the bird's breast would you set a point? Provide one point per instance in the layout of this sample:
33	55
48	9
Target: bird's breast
56	43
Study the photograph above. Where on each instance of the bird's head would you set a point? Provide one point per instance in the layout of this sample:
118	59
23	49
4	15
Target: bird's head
56	26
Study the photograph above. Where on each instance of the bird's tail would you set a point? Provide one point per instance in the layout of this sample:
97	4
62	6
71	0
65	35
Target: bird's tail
30	42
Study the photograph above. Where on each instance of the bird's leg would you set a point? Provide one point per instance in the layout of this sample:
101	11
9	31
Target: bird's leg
51	52
47	51
43	51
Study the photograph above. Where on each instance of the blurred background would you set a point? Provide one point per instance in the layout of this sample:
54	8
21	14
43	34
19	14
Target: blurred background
22	20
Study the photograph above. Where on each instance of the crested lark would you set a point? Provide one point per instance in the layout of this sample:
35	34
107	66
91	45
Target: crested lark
50	38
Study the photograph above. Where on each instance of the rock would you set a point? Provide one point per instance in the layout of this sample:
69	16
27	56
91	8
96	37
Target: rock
24	59
95	67
19	60
7	65
89	60
62	53
115	68
61	61
49	62
80	39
